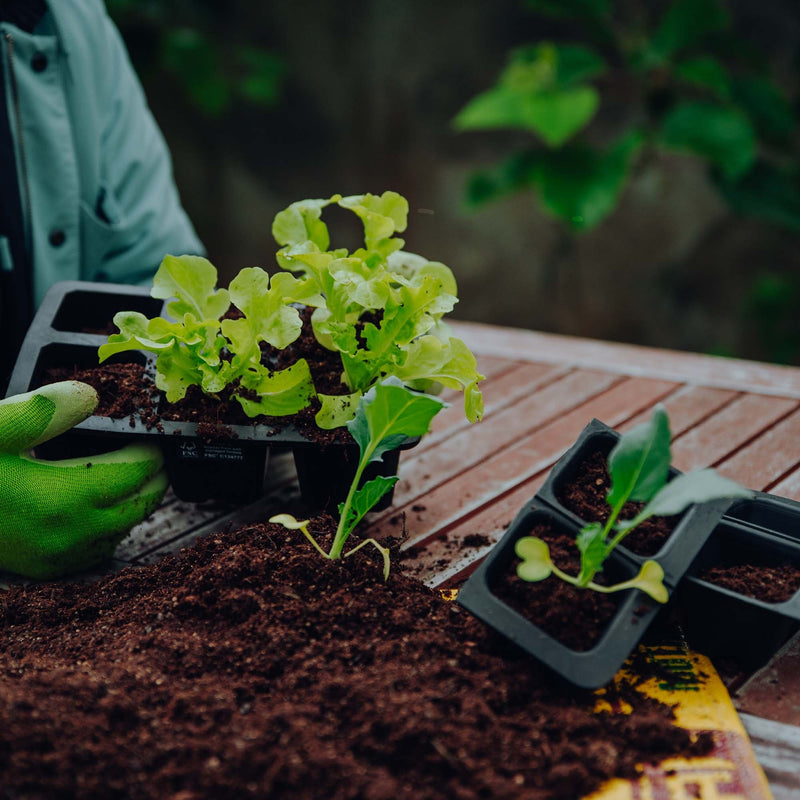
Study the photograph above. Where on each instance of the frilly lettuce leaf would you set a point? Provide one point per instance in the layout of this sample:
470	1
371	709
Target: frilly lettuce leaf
268	317
381	215
280	393
301	222
192	280
336	409
450	363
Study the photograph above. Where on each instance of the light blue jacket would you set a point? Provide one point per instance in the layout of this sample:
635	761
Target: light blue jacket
98	196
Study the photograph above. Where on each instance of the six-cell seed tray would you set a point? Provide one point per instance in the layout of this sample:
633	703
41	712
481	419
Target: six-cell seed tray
596	666
73	321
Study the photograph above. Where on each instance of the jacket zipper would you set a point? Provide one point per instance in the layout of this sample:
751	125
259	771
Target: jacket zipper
23	164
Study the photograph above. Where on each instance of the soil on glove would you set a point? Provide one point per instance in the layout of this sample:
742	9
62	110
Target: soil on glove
249	666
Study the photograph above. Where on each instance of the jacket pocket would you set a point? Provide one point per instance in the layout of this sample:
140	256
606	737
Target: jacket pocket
105	237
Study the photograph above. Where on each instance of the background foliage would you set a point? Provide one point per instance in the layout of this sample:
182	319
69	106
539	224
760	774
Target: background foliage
625	169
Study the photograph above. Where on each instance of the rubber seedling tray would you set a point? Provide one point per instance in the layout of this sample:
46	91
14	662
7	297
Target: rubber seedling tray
762	532
70	325
636	611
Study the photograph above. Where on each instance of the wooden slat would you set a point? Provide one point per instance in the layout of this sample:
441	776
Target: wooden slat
419	474
687	407
503	390
694	368
444	560
764	461
777	748
722	434
788	486
774	690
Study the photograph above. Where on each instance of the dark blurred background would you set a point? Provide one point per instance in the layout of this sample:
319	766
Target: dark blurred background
620	169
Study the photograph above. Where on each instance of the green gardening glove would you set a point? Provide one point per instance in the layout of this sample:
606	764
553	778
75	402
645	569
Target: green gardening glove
58	517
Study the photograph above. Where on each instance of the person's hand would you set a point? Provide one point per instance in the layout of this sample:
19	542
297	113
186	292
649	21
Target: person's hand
59	517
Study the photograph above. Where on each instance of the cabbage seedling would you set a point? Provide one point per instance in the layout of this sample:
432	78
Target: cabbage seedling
639	467
386	416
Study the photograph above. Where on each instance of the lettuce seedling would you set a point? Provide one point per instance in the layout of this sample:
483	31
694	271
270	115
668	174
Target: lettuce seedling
383	306
198	347
386	416
639	468
378	307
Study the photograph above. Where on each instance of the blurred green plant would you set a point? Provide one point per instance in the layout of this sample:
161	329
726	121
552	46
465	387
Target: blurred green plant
682	82
185	40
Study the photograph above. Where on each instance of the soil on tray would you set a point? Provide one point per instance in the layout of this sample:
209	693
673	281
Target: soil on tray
585	495
770	584
575	617
128	389
248	666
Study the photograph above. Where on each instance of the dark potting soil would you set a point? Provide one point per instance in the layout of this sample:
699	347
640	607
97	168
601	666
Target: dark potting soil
575	617
585	495
248	666
127	389
770	584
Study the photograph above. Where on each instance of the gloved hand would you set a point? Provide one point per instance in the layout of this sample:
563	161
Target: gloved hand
58	517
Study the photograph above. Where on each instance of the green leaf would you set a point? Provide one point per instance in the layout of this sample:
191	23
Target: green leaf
516	172
263	75
767	106
388	414
192	280
699	486
539	91
196	61
582	186
592	546
554	115
364	499
411	270
545	66
289	522
766	192
720	134
639	462
279	393
269	317
336	409
535	554
133	335
381	215
707	72
650	580
301	222
450	363
177	370
685	23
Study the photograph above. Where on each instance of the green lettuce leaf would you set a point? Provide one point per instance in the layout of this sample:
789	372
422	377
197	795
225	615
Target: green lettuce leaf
192	280
280	393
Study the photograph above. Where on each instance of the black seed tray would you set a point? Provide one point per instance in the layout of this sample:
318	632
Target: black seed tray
592	668
73	321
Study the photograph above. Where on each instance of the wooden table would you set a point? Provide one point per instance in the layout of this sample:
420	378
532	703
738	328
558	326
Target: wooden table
741	417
